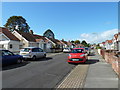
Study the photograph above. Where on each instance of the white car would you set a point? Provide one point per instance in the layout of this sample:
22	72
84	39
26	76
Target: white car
32	53
67	50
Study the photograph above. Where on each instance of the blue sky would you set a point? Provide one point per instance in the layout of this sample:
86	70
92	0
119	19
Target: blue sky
68	20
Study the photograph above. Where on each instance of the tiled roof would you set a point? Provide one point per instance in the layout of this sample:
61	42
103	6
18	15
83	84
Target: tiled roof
56	41
8	34
27	36
109	41
65	42
69	43
39	38
103	42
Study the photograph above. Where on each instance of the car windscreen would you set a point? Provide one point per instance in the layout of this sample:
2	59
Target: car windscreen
77	51
25	50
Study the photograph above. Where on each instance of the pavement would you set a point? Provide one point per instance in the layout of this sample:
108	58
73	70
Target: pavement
96	73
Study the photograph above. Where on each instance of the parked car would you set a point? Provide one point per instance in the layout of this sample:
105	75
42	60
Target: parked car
66	50
77	55
32	53
8	57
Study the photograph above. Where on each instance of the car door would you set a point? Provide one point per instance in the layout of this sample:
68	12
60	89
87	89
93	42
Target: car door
34	52
8	57
41	53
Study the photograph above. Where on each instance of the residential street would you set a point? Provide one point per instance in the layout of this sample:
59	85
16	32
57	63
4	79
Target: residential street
55	72
60	45
37	74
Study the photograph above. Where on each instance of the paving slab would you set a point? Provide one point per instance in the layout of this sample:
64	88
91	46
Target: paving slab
76	78
101	74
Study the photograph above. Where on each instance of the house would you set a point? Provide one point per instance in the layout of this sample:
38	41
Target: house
118	41
115	42
70	45
56	44
9	41
27	39
109	44
79	45
64	44
44	43
102	45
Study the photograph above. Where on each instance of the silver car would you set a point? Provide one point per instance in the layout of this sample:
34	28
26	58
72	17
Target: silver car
32	53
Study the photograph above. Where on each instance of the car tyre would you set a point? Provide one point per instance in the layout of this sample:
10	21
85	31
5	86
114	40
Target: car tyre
44	56
34	58
19	61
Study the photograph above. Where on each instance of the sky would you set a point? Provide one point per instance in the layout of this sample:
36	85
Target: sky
91	21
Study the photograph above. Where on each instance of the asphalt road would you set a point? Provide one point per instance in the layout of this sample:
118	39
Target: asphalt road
44	73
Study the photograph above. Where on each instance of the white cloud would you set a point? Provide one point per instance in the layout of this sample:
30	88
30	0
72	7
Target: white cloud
98	37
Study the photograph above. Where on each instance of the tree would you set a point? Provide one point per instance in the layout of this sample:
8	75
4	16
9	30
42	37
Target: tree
85	43
72	41
17	23
77	42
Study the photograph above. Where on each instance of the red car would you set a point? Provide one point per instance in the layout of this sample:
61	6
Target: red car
77	55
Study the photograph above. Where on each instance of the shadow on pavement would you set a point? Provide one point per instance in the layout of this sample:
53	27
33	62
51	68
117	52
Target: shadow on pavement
90	61
14	66
92	54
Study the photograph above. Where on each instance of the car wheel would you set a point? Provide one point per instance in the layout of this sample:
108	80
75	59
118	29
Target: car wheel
44	56
19	61
34	58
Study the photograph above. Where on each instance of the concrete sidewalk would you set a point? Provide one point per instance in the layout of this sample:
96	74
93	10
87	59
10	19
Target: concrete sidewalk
96	73
100	74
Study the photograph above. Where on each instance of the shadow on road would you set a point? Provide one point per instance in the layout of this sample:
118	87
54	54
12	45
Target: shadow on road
39	59
14	66
45	59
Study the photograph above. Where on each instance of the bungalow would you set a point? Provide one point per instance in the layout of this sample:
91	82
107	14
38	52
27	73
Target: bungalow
64	44
44	42
9	41
102	45
27	39
109	44
70	45
79	45
55	44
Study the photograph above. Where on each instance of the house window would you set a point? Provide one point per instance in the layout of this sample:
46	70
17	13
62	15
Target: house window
10	46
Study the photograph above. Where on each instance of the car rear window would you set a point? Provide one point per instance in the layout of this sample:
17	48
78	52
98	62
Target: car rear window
77	51
26	50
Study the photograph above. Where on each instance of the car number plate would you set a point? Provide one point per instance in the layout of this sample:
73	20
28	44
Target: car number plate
75	59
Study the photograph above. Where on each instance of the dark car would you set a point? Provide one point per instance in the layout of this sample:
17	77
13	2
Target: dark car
7	57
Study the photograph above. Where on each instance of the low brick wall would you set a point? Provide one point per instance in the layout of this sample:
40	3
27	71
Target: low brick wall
110	57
